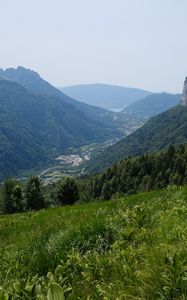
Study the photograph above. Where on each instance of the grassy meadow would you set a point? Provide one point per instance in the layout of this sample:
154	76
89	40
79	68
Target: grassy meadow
131	247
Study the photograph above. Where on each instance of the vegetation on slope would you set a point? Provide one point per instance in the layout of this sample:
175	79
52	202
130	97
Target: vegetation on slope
143	173
152	105
17	196
168	128
20	146
128	248
113	122
38	122
60	123
129	176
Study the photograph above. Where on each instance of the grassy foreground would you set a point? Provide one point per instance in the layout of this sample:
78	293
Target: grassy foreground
129	248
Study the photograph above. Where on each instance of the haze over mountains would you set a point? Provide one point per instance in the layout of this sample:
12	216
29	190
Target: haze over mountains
47	122
39	122
137	103
35	84
152	105
105	95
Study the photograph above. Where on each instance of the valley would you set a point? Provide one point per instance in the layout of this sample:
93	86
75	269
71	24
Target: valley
39	123
74	162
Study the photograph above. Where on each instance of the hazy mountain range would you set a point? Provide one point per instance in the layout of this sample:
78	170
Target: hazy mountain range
38	122
37	85
105	95
152	105
136	102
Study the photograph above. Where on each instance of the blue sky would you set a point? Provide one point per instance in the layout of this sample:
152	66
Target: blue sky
137	43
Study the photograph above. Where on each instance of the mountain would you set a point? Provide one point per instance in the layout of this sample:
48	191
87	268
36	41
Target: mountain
35	128
114	123
105	96
167	128
38	122
31	80
152	105
20	146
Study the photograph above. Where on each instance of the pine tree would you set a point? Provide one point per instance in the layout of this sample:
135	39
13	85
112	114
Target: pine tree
33	194
67	191
105	193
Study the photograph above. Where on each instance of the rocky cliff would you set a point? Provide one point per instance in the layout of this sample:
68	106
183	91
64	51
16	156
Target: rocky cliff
184	94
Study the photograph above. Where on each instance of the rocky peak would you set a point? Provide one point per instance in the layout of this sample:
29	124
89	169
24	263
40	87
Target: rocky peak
184	94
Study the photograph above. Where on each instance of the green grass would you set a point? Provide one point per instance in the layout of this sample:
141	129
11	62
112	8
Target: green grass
129	248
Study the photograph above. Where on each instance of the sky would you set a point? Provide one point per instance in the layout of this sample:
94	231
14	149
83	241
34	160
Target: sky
134	43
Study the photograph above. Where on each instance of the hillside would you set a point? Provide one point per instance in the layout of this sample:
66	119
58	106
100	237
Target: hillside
59	122
35	128
138	174
105	95
152	105
34	83
51	122
114	250
20	146
167	128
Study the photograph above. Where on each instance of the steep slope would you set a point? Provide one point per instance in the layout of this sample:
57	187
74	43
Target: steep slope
20	146
31	80
142	173
104	95
159	132
152	105
60	123
35	84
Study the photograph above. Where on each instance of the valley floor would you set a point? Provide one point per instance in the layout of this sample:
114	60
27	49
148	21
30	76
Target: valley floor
128	248
74	162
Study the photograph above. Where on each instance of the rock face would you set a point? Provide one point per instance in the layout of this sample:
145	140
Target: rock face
184	94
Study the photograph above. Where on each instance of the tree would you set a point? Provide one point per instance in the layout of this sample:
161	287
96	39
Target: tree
17	198
12	196
171	151
105	193
67	191
33	194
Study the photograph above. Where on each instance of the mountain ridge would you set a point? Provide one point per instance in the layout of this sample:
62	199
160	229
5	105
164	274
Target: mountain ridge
48	124
32	81
105	95
152	105
167	128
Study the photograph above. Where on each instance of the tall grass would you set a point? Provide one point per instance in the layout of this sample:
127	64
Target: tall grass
129	248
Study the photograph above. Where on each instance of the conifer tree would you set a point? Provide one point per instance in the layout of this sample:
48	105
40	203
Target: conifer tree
33	194
67	191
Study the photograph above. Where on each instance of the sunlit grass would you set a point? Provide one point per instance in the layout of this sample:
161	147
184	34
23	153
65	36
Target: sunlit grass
129	248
